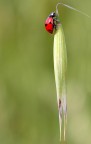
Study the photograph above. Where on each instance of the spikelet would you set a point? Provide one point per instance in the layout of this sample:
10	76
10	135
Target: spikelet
60	66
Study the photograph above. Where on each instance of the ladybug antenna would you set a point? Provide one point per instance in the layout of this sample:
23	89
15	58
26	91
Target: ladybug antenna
72	8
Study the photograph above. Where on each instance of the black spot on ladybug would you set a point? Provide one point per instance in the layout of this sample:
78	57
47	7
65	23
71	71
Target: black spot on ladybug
50	31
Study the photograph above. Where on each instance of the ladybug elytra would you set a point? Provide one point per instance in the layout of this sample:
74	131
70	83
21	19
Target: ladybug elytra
50	23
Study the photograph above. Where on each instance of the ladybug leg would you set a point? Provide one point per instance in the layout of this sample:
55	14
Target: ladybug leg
55	27
56	22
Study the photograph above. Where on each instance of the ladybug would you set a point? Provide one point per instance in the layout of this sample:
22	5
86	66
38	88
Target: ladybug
50	23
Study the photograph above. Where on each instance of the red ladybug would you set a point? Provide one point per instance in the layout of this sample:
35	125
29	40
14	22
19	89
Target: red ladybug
50	22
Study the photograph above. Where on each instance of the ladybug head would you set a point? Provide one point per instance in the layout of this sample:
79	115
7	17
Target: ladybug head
53	14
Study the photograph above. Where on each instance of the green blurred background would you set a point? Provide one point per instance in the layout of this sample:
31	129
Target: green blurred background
28	107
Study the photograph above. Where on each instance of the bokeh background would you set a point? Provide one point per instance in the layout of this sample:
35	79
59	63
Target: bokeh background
28	107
